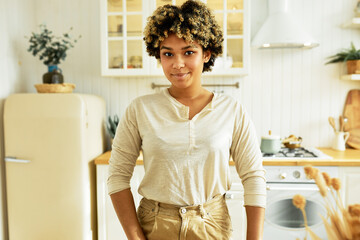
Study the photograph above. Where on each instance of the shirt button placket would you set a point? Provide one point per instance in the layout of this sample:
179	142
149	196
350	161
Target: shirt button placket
192	137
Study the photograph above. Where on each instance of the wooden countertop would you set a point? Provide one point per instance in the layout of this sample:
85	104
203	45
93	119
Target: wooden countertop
350	157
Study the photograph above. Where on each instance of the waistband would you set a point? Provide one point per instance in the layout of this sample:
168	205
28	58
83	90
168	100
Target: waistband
215	202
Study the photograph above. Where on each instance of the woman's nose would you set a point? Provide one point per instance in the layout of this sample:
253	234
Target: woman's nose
178	62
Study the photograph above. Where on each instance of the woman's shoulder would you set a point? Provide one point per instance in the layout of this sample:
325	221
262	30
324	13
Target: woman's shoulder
147	100
226	100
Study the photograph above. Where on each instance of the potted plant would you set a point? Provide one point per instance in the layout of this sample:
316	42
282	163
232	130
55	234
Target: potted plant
112	125
351	56
51	50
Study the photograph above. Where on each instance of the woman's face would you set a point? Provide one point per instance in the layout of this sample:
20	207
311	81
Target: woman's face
182	62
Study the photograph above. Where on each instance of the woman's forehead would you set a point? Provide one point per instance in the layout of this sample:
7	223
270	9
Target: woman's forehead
174	41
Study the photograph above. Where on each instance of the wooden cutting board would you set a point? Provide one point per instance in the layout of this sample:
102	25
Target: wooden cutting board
352	113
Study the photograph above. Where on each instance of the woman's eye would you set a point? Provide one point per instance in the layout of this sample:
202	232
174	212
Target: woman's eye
167	54
189	52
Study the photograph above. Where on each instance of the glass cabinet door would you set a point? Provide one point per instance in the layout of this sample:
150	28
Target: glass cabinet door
230	16
124	44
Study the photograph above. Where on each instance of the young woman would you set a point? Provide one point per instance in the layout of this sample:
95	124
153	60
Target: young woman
187	135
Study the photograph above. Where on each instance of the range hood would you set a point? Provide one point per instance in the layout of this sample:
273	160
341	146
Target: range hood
281	30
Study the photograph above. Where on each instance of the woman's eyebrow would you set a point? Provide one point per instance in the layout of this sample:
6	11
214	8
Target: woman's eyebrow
184	48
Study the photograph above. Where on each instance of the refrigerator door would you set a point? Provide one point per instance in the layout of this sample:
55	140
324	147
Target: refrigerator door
50	191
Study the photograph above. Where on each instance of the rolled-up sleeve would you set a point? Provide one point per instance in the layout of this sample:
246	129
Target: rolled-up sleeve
246	153
124	153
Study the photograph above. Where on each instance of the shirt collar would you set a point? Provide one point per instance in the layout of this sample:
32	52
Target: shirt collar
210	106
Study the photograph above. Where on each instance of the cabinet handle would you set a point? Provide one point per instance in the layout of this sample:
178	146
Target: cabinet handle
15	160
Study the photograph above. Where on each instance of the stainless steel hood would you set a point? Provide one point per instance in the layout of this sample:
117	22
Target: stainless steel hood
281	30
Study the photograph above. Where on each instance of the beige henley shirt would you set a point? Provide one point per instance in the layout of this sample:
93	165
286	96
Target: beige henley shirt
187	161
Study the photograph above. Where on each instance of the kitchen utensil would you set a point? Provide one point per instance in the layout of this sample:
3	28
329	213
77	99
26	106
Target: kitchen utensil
292	142
340	140
341	123
270	144
352	113
354	139
332	123
291	138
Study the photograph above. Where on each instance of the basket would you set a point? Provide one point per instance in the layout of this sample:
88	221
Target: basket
55	88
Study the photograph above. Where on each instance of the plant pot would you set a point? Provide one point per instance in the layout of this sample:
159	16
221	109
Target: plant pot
54	75
353	66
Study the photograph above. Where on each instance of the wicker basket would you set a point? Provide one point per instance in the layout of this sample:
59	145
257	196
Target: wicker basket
55	88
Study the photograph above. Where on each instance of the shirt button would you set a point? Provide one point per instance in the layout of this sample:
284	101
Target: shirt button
183	211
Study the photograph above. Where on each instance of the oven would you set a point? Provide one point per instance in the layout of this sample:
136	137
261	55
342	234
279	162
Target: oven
282	219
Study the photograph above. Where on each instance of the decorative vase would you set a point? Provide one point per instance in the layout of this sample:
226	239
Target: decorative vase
54	75
353	66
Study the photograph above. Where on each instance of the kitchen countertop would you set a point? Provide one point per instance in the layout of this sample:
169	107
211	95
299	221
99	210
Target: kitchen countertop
350	157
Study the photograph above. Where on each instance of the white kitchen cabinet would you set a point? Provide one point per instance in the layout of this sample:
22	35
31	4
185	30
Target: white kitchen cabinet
123	51
109	227
350	177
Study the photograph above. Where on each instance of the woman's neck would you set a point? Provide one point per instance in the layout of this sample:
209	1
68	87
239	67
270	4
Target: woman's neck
187	93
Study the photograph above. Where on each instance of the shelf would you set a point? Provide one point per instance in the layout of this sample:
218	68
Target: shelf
353	77
352	23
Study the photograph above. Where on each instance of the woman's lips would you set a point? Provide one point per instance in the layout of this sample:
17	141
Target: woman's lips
180	75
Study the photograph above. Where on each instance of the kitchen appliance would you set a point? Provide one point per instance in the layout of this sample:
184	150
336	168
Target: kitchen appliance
282	219
302	152
281	30
50	142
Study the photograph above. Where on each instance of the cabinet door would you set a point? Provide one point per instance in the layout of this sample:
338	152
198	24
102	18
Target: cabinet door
350	191
109	227
233	18
235	202
122	47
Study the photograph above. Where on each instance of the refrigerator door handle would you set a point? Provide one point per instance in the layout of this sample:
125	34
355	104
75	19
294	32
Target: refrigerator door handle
15	160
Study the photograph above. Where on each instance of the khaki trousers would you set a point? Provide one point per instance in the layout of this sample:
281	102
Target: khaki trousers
207	221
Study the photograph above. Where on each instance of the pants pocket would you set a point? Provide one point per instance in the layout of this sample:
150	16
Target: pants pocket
146	219
218	223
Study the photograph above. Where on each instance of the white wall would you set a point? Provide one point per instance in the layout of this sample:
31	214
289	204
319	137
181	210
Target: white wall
287	91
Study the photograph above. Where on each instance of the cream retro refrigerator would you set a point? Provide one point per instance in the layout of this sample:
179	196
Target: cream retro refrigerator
50	143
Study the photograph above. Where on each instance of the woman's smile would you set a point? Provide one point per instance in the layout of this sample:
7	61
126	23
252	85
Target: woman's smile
180	75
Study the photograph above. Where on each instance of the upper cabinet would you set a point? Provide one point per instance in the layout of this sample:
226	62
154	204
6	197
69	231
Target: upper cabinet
123	51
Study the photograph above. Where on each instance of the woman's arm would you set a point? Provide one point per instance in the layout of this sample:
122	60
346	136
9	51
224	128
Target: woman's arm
124	206
255	222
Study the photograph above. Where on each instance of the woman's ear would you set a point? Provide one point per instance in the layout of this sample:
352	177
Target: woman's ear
207	55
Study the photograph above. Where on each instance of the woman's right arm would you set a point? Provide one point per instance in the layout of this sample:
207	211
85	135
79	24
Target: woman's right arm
125	151
124	206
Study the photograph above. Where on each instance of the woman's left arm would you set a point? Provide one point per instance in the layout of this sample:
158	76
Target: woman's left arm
255	222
